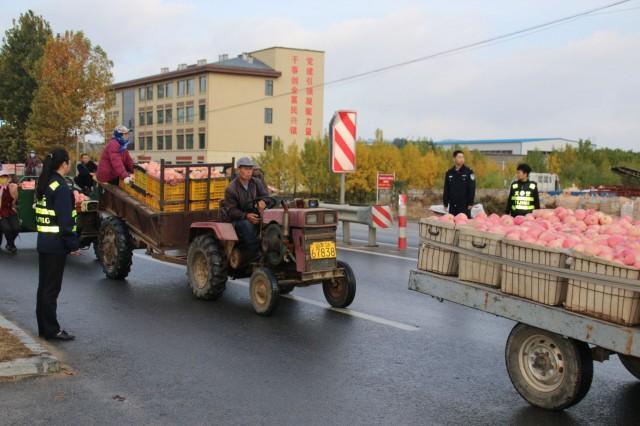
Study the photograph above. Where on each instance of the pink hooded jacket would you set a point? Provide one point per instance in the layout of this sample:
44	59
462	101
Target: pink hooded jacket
114	163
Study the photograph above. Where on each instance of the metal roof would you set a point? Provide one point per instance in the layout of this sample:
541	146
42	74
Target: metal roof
240	62
496	141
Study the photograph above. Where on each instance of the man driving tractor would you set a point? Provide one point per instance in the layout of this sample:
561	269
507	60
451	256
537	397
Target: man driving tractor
242	209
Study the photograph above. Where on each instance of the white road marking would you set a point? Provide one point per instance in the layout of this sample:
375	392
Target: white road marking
393	256
356	314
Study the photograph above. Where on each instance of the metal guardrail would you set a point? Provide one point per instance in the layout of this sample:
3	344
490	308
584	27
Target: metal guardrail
353	214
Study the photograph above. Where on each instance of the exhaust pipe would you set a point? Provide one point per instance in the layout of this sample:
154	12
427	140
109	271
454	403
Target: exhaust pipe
285	221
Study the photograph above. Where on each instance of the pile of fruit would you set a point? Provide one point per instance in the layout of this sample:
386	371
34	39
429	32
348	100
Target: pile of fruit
175	175
586	231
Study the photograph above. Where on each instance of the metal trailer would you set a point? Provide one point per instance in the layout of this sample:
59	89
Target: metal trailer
550	351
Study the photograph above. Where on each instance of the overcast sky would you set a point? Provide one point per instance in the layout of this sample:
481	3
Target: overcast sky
578	80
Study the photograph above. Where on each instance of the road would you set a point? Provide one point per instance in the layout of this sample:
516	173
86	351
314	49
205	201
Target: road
149	353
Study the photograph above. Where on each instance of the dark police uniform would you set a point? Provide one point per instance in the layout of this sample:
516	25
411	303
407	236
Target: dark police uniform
523	198
459	190
56	225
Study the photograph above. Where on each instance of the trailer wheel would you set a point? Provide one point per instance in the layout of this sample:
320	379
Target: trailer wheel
340	292
548	370
632	364
96	250
264	292
206	268
115	249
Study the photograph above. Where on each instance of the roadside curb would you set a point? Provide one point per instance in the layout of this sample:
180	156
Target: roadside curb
42	363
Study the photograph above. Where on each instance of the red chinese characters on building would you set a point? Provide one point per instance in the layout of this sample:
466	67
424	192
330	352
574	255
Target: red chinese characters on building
308	102
295	82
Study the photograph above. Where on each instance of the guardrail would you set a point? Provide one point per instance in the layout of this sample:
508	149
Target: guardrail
366	215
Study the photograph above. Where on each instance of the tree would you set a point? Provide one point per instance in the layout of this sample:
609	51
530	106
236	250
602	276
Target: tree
537	160
273	163
293	170
317	176
74	79
22	49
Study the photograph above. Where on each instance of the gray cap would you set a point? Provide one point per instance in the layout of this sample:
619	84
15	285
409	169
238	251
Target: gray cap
121	129
245	162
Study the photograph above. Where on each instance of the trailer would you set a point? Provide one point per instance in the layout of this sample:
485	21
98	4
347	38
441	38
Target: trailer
550	351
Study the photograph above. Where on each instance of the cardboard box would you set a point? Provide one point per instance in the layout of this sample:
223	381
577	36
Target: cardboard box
601	301
537	286
472	268
434	259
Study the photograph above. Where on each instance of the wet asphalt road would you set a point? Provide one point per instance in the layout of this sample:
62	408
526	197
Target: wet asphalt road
177	360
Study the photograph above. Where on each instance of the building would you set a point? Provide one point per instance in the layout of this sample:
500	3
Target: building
509	147
212	112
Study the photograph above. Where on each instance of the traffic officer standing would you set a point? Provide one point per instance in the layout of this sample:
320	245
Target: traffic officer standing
459	187
523	197
56	225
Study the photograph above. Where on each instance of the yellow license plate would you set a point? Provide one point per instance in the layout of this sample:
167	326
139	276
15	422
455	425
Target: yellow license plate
323	250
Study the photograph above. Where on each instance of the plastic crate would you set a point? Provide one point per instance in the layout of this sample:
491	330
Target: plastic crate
169	208
433	259
601	301
198	189
140	177
202	205
537	286
171	192
477	270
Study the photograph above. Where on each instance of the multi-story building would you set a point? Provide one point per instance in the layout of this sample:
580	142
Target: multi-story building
212	112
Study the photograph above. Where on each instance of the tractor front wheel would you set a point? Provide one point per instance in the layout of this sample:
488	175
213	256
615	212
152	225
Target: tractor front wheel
264	292
340	292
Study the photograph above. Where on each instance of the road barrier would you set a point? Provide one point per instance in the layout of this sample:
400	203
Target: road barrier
373	216
402	222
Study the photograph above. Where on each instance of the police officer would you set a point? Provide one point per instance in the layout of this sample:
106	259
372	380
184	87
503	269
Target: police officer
459	187
523	197
56	225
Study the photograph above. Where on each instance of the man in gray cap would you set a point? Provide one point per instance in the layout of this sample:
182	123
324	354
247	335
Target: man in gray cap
239	206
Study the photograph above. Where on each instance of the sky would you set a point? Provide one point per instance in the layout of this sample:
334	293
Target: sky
577	80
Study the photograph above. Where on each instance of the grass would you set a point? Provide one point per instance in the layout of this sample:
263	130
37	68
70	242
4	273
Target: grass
11	348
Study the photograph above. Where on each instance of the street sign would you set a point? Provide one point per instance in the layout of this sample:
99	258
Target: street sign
385	180
342	130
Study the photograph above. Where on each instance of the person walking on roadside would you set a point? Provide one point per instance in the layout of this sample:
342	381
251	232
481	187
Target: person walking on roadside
9	223
33	164
523	196
57	238
115	162
459	187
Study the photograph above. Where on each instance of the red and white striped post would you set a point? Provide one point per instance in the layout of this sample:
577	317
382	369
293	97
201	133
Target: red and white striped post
402	222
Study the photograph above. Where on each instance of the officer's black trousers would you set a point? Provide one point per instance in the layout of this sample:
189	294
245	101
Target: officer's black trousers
49	286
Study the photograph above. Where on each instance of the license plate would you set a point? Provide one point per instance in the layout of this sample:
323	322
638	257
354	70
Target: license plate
323	250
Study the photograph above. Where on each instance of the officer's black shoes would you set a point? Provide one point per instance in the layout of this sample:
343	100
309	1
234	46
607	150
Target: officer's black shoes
12	249
62	335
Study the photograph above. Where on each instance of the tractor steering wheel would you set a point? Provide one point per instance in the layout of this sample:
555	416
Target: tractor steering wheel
252	205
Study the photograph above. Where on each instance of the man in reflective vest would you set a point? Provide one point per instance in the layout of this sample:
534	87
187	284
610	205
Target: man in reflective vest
523	197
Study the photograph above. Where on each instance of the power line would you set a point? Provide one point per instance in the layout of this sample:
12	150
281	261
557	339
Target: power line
452	51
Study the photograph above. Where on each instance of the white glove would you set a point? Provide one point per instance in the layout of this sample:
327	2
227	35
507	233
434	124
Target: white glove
127	180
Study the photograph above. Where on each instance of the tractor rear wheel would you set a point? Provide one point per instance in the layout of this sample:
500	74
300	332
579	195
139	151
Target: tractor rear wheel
115	248
340	292
632	364
206	268
264	291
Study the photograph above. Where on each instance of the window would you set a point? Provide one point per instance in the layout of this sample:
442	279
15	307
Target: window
191	87
201	141
190	141
160	91
141	140
168	90
180	111
268	87
180	141
160	119
181	87
149	118
203	111
149	93
168	115
160	142
203	83
268	115
141	116
142	94
168	142
149	143
190	114
268	140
